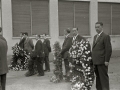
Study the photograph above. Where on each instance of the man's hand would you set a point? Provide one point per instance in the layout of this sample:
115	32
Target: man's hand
106	63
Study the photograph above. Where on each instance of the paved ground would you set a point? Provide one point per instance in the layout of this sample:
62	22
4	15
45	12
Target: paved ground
17	81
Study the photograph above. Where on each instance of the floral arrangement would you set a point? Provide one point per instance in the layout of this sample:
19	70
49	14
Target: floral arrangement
20	59
58	74
81	65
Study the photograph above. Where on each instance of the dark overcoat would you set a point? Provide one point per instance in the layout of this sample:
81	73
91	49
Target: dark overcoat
3	55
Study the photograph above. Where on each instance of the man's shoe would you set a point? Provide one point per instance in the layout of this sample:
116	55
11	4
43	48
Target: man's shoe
45	70
27	74
40	75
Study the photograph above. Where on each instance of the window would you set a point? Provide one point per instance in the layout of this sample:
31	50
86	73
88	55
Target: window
30	16
109	14
73	14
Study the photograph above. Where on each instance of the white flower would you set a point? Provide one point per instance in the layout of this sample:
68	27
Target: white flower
54	58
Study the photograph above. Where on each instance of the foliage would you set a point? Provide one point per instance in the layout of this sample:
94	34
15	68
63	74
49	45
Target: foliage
58	74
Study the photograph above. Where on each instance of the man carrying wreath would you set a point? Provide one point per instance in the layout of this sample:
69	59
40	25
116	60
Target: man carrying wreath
81	63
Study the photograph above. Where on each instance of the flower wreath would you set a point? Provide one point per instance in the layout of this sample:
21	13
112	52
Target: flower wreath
19	59
82	67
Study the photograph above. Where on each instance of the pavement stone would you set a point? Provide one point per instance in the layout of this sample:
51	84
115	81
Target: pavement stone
17	81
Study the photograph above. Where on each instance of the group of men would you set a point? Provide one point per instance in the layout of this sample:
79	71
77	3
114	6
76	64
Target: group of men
101	53
39	53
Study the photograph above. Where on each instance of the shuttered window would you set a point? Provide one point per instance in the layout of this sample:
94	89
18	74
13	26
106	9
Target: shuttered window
82	17
40	17
66	16
30	16
104	15
0	16
21	17
73	14
115	19
109	14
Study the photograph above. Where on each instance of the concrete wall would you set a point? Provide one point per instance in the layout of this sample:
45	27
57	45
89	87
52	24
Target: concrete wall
53	23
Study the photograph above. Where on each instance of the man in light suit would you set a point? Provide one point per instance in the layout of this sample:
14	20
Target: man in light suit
3	61
101	53
47	50
65	48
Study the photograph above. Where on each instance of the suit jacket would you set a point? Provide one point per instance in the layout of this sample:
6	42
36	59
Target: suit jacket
66	46
3	56
47	48
28	45
39	50
101	50
21	43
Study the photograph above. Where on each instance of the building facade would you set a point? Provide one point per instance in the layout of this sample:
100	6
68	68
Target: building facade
53	16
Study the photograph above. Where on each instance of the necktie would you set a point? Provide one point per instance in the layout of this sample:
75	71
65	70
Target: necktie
96	38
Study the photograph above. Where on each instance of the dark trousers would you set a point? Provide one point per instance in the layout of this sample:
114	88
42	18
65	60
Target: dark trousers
102	78
66	63
2	81
31	66
47	65
39	63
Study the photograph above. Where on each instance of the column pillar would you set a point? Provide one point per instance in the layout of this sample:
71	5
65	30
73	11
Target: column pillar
93	17
53	20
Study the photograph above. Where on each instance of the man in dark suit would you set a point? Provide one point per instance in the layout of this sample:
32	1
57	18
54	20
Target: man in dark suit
22	40
3	61
38	53
101	53
47	50
65	48
28	47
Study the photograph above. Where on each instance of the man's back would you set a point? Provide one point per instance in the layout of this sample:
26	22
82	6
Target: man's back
28	45
3	56
39	49
66	46
47	48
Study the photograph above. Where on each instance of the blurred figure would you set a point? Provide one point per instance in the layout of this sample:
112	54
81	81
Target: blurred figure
65	48
3	61
28	47
28	44
22	40
47	50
